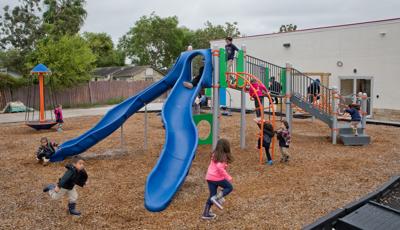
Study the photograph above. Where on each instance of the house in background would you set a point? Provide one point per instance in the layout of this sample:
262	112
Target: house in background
127	73
358	57
10	73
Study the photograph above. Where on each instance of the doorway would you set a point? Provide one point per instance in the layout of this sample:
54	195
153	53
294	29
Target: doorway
350	86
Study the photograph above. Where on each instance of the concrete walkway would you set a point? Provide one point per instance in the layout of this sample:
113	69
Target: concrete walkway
68	113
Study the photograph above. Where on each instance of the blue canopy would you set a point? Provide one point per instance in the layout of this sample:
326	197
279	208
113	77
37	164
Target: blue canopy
40	68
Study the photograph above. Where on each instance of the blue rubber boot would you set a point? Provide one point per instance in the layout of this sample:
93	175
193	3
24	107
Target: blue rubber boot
49	187
270	162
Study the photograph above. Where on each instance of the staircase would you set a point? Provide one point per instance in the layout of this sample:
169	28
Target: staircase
302	90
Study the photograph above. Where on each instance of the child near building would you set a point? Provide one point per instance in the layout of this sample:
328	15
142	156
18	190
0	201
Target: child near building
353	110
230	49
75	175
268	134
284	138
257	89
217	176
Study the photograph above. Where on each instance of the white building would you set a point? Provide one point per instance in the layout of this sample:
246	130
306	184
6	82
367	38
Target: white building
360	57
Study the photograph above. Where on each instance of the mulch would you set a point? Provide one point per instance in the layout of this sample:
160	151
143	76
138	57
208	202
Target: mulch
320	178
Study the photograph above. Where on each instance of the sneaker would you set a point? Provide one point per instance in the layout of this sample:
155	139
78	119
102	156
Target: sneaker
49	187
287	159
270	162
215	201
188	85
210	216
213	215
356	134
45	161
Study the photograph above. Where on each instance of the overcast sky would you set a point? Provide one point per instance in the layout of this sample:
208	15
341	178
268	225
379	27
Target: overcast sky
254	16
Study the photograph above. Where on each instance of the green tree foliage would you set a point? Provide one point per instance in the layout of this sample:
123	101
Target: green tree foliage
7	81
21	27
287	28
202	37
69	58
63	17
102	46
154	40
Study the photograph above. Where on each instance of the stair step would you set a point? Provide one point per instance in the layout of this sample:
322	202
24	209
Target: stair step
351	139
349	130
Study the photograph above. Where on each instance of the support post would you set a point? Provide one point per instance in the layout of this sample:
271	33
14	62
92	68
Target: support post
243	107
289	113
364	102
122	138
335	115
145	127
215	98
41	98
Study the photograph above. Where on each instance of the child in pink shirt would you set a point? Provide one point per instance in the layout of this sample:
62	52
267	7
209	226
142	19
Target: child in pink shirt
59	117
217	176
259	90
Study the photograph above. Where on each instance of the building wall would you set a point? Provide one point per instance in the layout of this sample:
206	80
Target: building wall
372	48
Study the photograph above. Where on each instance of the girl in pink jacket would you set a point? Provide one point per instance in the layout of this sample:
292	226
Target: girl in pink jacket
259	90
217	176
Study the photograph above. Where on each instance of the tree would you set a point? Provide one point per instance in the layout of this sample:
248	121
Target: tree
69	58
102	46
19	30
21	26
64	17
202	37
154	40
287	28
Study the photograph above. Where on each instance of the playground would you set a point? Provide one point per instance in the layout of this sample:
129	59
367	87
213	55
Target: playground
319	178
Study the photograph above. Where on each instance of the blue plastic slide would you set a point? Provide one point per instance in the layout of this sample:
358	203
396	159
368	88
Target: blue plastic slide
116	116
181	137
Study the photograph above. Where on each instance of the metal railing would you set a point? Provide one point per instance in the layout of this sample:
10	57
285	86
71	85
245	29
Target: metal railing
311	91
272	76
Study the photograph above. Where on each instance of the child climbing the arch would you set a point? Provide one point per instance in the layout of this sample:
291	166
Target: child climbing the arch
59	117
268	134
195	80
257	89
353	110
75	175
46	150
217	176
284	138
230	49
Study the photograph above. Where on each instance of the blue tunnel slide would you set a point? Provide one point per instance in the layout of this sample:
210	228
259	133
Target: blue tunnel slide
181	137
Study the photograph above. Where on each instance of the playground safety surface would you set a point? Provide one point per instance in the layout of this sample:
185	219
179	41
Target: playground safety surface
320	178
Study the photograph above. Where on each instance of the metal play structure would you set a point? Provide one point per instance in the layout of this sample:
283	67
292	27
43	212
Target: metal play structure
181	134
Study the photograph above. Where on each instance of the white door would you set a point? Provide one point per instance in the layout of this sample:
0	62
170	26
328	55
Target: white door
351	86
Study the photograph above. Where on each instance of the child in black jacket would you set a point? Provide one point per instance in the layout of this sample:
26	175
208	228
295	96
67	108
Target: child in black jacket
75	175
46	150
268	134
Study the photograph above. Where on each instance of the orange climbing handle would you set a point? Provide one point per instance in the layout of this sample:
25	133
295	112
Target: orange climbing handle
246	78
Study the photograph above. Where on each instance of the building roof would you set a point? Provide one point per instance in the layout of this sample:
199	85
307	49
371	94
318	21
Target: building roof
319	28
130	71
106	71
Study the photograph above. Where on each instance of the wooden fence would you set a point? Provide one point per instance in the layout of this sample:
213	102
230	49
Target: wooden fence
100	92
